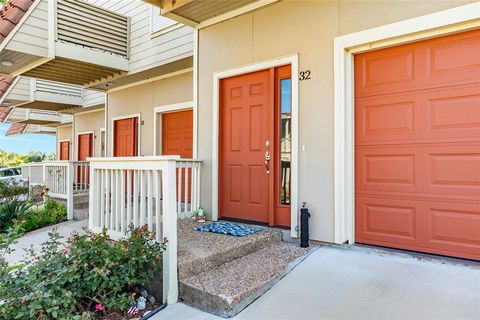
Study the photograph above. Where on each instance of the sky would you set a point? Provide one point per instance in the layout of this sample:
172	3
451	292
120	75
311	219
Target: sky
26	142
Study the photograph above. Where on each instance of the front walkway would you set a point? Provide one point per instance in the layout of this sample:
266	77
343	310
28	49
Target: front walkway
336	283
37	237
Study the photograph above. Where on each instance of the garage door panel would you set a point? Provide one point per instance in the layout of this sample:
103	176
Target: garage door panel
392	70
429	116
383	219
453	112
426	170
446	61
438	227
453	227
453	59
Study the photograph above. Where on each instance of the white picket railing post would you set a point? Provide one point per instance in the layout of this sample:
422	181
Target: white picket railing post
44	178
69	189
94	190
170	276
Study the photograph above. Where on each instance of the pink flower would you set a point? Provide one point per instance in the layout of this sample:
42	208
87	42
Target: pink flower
64	250
99	307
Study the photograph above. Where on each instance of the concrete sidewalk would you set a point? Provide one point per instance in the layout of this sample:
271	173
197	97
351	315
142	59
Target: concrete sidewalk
337	283
37	237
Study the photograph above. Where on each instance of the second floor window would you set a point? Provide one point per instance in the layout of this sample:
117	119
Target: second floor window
159	22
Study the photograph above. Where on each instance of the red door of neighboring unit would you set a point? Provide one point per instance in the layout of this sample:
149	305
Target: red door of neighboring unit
417	119
177	133
125	137
65	150
85	150
177	139
246	124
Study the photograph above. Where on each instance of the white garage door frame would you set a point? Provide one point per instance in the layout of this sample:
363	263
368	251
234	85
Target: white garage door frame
445	22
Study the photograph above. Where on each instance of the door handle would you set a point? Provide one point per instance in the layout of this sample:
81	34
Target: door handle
267	162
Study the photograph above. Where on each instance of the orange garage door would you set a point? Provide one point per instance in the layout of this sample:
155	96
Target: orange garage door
417	118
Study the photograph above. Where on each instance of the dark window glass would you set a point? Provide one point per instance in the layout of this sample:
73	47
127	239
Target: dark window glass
285	139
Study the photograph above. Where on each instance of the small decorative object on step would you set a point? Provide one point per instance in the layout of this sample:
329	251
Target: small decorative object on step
232	229
133	310
141	303
200	215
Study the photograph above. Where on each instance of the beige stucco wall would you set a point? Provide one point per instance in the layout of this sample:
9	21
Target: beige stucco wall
307	28
142	99
88	122
64	133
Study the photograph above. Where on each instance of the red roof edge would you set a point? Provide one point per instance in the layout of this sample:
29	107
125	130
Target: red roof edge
15	129
11	14
4	112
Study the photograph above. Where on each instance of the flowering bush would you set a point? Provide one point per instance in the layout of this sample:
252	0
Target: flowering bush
88	277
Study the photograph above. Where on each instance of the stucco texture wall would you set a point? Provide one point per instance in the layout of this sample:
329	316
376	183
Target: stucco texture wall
307	28
142	99
92	121
64	133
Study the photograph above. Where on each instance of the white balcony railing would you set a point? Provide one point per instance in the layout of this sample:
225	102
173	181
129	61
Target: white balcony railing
145	191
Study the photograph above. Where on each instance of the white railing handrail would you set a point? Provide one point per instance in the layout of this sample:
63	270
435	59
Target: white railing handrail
133	159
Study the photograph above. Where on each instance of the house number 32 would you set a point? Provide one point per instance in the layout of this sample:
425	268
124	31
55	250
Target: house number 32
304	75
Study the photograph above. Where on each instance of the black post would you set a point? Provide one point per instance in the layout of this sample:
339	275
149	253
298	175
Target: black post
304	216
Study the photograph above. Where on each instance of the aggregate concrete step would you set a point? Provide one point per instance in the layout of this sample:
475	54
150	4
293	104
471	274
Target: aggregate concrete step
229	288
202	251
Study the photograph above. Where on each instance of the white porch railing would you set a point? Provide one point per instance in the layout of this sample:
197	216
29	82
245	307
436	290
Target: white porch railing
81	172
33	173
139	191
58	178
62	178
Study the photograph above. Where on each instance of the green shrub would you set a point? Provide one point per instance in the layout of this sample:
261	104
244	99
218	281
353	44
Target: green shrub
10	192
67	282
31	217
50	213
11	211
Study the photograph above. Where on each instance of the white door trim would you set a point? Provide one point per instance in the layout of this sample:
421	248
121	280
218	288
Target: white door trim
139	133
189	105
293	61
458	19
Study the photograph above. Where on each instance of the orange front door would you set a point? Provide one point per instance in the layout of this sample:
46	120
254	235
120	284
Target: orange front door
85	150
417	127
177	133
246	128
125	137
177	139
65	150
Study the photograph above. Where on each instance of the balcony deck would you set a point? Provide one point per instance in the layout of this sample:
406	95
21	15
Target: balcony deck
79	43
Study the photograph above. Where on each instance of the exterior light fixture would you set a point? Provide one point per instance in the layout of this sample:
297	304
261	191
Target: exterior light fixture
7	63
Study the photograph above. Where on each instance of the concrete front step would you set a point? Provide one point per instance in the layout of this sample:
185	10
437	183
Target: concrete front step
203	251
229	288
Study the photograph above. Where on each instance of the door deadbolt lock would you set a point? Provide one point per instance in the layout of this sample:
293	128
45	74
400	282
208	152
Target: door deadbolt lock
267	143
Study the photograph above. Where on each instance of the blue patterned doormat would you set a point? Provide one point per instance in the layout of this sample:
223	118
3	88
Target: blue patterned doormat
232	229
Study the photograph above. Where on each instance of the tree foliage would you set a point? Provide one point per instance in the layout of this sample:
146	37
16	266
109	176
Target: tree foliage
11	159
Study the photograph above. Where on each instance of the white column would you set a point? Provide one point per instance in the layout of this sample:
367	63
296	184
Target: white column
170	277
